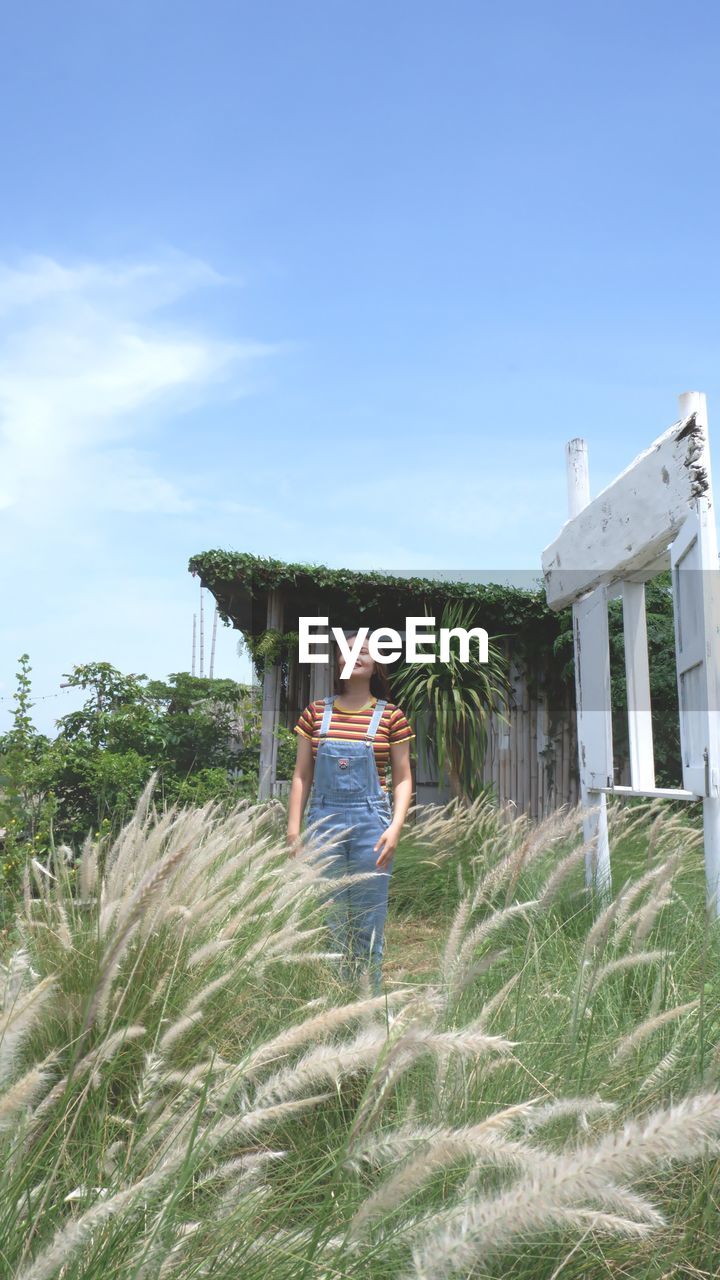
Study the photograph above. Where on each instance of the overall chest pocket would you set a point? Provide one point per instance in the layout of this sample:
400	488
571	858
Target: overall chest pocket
349	772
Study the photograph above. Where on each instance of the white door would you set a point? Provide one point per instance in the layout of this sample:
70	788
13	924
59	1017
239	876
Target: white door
693	560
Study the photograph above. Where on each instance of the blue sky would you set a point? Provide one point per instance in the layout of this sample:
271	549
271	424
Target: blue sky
331	282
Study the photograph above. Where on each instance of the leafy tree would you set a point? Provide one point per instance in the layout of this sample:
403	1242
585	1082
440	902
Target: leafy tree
452	702
201	736
26	805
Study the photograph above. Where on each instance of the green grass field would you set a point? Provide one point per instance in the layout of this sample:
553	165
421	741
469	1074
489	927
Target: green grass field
188	1088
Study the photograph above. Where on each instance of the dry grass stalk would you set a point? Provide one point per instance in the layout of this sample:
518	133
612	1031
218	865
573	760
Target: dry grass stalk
24	1093
478	934
622	963
17	1020
470	1231
325	1064
645	1029
320	1025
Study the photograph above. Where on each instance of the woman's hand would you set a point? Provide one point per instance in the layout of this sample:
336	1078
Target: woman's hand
292	840
386	846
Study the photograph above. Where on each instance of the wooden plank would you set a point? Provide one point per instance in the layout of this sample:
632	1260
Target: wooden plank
519	750
523	760
665	793
533	760
697	649
530	756
496	757
510	781
592	689
541	758
637	674
270	703
631	521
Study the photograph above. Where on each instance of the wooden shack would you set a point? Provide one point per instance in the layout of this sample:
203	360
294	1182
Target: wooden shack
531	759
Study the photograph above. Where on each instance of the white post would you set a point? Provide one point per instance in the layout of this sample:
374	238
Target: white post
637	676
212	646
695	402
202	634
597	867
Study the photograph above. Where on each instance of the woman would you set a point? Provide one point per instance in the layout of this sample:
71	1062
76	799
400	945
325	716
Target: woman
345	744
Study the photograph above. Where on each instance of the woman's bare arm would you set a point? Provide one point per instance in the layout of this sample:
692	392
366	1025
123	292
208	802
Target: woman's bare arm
401	782
299	790
402	795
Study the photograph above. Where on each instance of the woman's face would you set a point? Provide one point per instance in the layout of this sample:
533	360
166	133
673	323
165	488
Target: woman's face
364	664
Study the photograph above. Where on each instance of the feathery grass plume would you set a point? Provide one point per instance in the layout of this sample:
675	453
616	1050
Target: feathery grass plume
622	963
319	1025
558	826
465	1042
386	1146
546	1113
455	936
591	1220
196	1077
208	951
478	934
325	1064
170	1131
148	1109
241	1168
60	923
88	868
143	897
660	872
647	917
191	1015
71	1237
561	871
17	1019
450	1148
471	1231
88	1065
667	1065
411	1040
622	821
496	1001
631	1205
599	932
136	845
15	975
471	971
645	1029
279	945
25	1092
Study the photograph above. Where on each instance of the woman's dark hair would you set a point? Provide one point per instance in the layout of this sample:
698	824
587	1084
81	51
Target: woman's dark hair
379	685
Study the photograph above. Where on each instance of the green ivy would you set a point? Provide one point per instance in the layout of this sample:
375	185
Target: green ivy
238	579
270	647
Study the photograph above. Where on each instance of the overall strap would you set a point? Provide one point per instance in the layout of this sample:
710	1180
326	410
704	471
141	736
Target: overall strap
327	717
376	718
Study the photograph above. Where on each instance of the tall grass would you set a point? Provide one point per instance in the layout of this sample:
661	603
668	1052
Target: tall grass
187	1088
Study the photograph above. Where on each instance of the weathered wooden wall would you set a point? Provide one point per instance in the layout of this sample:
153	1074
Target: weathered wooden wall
531	761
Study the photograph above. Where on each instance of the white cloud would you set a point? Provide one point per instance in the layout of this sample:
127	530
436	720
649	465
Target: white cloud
90	358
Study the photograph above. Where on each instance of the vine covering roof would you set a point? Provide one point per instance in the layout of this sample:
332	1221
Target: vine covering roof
241	584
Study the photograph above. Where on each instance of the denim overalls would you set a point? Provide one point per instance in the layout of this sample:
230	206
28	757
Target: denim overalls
347	793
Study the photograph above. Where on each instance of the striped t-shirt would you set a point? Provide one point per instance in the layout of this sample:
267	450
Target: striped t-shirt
352	726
